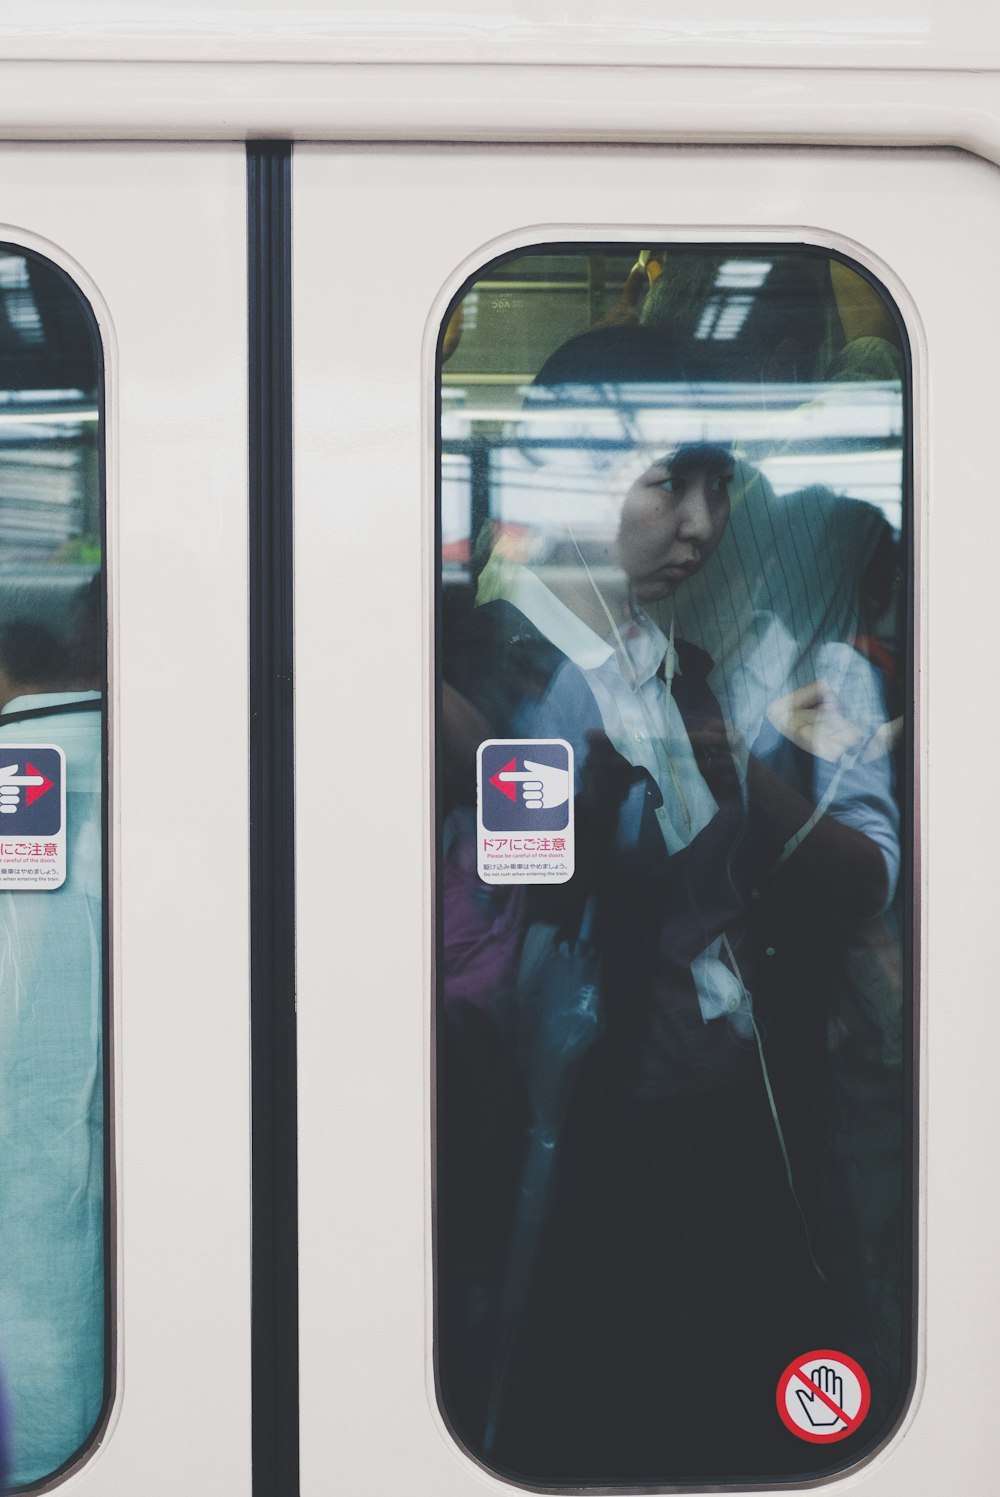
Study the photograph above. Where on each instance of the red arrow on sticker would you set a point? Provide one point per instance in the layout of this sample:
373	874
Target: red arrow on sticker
505	787
33	791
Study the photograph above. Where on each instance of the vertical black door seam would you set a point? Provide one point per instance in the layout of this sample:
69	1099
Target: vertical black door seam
274	1346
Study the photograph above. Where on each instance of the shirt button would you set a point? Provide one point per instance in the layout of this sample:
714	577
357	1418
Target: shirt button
732	1004
638	738
769	951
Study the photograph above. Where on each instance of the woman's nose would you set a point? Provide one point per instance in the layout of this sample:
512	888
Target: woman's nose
695	517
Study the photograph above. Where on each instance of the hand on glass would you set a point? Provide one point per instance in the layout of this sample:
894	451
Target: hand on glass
811	717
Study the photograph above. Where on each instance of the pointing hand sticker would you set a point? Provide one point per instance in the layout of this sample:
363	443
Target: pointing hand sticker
10	787
525	811
32	816
543	786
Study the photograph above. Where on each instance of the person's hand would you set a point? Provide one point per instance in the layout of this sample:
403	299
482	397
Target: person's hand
811	718
625	312
885	739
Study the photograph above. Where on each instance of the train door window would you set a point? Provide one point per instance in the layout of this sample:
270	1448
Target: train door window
673	1090
124	983
54	1288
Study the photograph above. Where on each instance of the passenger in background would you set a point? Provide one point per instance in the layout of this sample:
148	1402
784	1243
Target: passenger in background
810	319
52	1288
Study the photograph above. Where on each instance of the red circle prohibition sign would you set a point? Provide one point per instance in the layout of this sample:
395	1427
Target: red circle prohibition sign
823	1396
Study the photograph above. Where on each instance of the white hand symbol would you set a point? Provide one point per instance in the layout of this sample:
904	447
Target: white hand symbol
543	786
830	1383
9	782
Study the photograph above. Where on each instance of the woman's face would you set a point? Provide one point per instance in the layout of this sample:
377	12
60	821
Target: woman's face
673	518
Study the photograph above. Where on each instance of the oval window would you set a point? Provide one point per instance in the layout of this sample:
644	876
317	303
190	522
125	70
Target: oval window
674	1203
54	1282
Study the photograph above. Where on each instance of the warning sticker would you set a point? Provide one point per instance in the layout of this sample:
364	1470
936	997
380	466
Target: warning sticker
32	816
525	811
823	1396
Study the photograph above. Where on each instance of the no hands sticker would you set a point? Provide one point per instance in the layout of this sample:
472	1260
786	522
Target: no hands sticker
823	1396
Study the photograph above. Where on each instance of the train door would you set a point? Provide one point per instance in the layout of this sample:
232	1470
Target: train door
439	479
125	1107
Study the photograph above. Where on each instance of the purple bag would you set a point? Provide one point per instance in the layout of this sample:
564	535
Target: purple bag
483	926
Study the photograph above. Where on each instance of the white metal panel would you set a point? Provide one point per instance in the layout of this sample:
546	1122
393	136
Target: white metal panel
926	34
364	430
910	74
156	237
402	101
398	100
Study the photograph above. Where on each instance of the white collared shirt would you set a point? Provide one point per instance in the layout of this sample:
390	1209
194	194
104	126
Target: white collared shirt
645	725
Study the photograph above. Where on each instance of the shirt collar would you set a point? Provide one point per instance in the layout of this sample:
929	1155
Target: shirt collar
647	646
558	623
645	642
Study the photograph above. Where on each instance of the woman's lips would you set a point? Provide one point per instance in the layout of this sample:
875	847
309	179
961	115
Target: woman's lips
677	571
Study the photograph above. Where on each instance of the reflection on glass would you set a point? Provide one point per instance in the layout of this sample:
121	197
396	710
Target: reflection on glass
672	1091
52	1011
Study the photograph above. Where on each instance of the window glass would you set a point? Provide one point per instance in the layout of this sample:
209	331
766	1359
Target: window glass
53	1279
674	1072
